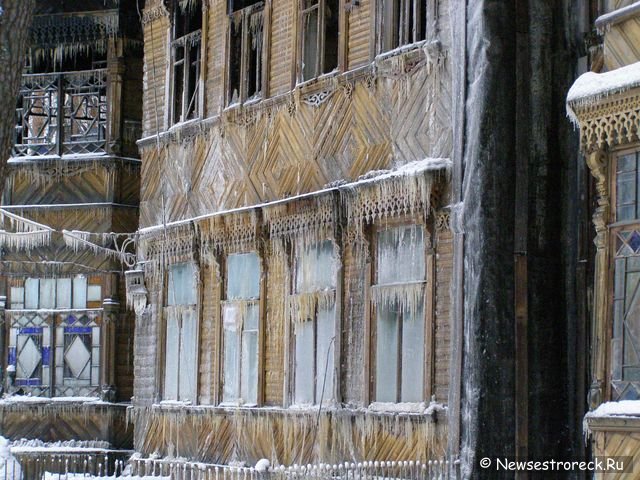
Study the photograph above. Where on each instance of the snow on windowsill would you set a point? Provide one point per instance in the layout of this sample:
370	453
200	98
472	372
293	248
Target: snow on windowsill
401	49
592	87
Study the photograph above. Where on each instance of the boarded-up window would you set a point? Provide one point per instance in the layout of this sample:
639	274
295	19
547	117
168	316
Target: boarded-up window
313	314
185	52
319	27
245	51
240	317
181	348
402	22
398	302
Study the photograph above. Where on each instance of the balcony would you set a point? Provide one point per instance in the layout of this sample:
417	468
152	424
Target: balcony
62	114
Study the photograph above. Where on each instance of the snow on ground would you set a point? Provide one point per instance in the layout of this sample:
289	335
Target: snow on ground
9	466
77	476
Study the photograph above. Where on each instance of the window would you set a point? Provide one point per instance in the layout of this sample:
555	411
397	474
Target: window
313	313
245	51
398	301
181	350
402	23
55	294
185	57
240	314
77	354
626	281
319	28
56	351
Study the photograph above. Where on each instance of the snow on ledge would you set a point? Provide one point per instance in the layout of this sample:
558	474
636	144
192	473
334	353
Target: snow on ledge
407	170
592	87
623	408
27	399
604	22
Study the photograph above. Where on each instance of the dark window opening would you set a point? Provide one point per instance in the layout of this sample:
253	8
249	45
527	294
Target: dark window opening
88	59
187	39
245	52
320	27
403	23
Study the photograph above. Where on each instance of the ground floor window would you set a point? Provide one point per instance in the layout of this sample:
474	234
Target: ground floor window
181	335
399	314
240	318
313	309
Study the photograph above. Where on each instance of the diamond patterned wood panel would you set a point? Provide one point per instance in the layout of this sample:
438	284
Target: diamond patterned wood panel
339	130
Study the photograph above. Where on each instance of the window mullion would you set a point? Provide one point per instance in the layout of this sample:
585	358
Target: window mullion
244	52
399	320
320	38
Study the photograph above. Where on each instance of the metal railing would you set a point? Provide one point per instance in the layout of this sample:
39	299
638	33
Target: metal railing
70	466
61	114
409	470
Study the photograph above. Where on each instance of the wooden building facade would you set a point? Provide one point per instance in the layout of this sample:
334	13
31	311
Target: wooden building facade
604	104
72	188
295	256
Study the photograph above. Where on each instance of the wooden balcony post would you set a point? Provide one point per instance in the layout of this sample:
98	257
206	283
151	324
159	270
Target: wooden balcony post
115	74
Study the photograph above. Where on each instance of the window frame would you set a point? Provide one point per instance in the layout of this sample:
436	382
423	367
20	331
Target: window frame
195	311
331	392
245	15
303	10
410	35
259	304
615	331
176	43
428	312
54	330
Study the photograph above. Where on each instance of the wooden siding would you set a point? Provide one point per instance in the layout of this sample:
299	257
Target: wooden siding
360	25
154	74
622	44
443	319
253	157
282	51
287	437
51	422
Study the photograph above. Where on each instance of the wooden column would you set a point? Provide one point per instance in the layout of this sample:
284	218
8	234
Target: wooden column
598	163
115	74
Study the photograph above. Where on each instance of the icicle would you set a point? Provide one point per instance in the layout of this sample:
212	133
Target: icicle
408	296
303	306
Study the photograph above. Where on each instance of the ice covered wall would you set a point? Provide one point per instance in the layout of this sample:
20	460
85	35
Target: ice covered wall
517	172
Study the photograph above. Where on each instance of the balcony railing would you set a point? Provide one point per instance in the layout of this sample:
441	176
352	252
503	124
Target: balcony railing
62	114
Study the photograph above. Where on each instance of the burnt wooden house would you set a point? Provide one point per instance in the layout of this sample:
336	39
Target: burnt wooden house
71	192
293	286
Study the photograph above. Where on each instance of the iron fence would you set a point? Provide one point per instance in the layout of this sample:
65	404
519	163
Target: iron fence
113	466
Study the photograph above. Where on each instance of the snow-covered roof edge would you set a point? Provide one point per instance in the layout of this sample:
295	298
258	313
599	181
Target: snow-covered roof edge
603	22
590	88
410	169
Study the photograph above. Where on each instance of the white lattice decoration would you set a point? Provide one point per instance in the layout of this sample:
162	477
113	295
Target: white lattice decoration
612	121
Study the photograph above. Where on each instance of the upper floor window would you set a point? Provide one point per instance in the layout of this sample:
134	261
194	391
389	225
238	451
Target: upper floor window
245	50
399	312
319	39
314	314
186	43
402	22
181	351
240	319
